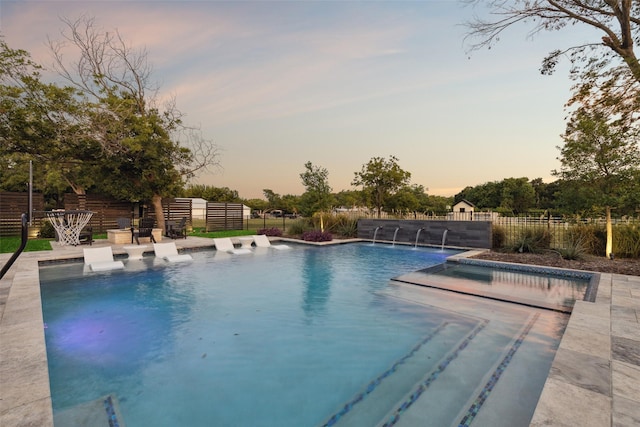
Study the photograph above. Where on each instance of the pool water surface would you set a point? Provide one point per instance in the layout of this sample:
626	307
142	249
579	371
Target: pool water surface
305	337
555	292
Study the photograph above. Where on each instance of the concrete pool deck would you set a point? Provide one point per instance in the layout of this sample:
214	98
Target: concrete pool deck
594	379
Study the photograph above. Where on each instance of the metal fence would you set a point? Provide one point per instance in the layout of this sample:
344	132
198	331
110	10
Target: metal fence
562	232
557	232
507	231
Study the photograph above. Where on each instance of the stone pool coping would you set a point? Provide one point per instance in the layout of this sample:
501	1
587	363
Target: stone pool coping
594	379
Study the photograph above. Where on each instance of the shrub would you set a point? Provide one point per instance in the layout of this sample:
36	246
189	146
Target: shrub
582	235
317	236
273	231
600	242
348	229
575	249
345	226
299	226
47	231
626	240
533	240
342	225
498	237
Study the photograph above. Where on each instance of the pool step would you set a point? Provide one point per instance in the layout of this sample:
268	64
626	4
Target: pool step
102	412
476	366
367	407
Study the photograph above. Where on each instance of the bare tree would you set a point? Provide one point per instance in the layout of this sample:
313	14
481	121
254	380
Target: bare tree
606	71
148	151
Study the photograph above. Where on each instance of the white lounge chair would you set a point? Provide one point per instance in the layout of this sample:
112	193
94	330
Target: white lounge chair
262	241
101	259
225	244
169	252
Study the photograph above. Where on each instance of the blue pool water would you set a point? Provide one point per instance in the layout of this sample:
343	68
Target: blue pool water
551	291
306	337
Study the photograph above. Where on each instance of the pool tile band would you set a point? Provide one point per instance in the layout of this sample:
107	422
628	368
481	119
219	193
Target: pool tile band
488	388
375	383
111	412
576	274
395	417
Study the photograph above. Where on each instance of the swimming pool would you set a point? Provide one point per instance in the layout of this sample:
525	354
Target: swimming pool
307	337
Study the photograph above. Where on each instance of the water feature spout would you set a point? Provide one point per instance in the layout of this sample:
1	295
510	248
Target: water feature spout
417	237
444	238
375	233
395	233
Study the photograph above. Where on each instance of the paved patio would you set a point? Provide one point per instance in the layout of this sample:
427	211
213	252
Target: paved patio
594	380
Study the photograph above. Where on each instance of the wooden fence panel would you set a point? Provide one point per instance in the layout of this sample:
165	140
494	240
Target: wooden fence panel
106	211
173	210
12	206
224	216
176	209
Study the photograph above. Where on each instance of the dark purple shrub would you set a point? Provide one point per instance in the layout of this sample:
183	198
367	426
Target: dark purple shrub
273	231
317	236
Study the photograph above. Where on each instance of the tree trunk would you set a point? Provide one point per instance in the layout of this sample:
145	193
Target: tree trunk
156	201
609	245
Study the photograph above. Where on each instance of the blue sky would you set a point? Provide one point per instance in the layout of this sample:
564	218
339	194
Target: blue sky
277	84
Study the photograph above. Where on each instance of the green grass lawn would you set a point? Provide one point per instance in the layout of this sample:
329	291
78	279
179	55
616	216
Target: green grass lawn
11	244
226	233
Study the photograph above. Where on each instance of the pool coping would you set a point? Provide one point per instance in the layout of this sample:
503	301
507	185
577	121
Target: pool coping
594	379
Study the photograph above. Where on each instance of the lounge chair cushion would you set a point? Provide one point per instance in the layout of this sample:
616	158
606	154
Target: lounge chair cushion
225	244
262	241
101	259
106	265
169	252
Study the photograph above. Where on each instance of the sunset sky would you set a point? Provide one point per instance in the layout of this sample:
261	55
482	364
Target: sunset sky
278	83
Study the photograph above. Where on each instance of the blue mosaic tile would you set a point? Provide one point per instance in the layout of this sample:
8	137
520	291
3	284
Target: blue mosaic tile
375	383
111	413
488	387
395	417
528	268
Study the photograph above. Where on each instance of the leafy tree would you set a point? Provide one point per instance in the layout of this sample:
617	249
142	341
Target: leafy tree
256	204
483	196
437	204
290	203
511	194
576	200
317	196
44	123
212	194
381	178
404	200
543	199
601	155
410	198
517	194
607	71
273	198
630	203
349	198
141	154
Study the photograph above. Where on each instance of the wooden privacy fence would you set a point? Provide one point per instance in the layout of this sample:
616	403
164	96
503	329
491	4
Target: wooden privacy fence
173	210
224	216
105	211
12	206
